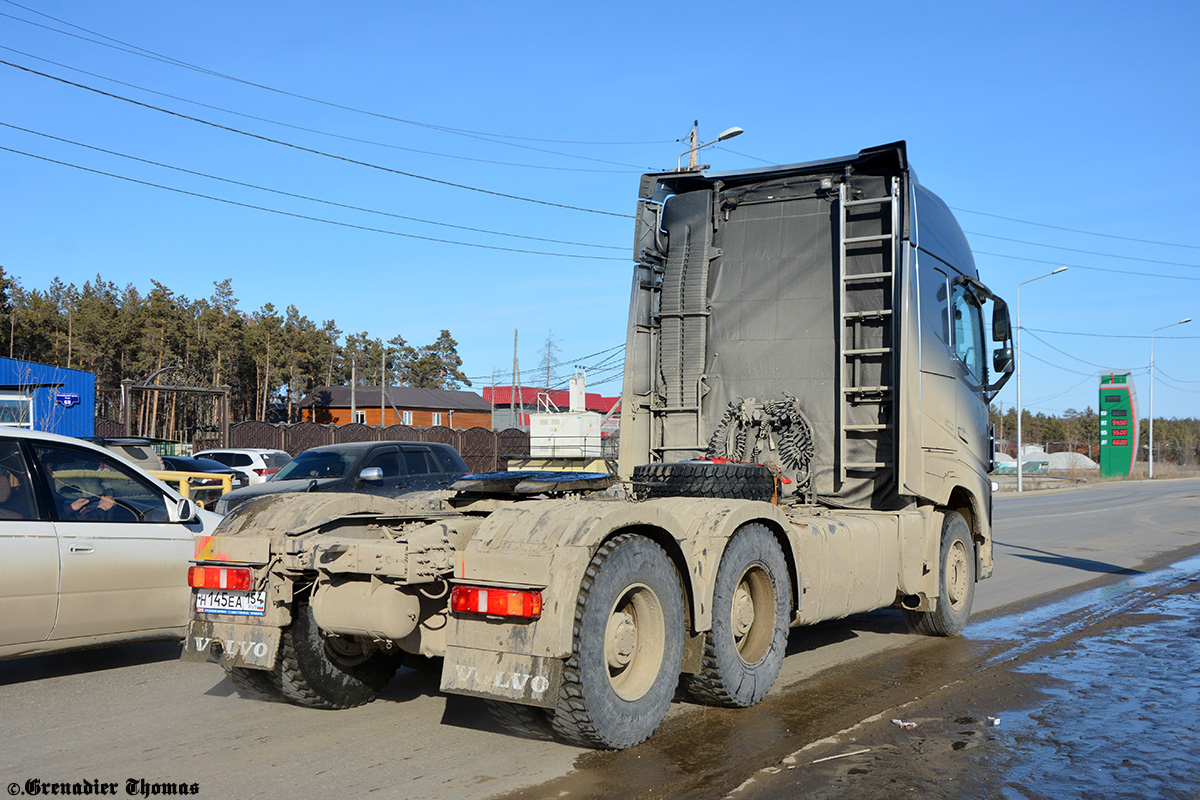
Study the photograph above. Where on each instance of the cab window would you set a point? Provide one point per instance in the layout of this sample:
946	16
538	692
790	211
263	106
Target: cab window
967	319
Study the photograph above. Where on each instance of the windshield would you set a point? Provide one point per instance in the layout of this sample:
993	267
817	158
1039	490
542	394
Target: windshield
315	464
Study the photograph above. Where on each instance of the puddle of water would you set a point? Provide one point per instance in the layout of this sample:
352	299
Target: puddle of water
1077	612
1110	713
1120	719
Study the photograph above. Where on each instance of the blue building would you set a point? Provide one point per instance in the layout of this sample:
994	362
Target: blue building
47	398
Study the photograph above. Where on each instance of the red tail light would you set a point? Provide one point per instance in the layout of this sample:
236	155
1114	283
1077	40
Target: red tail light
496	602
266	471
237	579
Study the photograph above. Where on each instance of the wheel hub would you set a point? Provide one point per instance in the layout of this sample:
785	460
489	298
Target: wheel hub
743	612
621	641
752	614
633	642
958	575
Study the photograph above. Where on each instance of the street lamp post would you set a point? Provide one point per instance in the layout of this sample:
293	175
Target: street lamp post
1156	330
693	164
1020	408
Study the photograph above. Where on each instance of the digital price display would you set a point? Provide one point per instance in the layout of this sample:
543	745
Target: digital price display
1118	425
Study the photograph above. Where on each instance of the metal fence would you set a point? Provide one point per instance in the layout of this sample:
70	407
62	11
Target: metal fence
482	449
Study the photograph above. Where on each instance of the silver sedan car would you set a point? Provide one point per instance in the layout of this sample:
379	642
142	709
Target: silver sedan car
93	550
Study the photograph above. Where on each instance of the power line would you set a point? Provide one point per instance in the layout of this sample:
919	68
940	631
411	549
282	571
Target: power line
1080	266
1076	230
1064	352
136	50
317	131
306	216
744	155
1107	335
1056	366
508	375
306	197
1158	370
311	150
1066	391
1172	386
1085	252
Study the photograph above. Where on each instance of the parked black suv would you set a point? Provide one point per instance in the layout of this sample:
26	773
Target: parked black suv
387	468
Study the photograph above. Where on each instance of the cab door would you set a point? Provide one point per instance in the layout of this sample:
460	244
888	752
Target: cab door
939	379
970	356
123	561
28	554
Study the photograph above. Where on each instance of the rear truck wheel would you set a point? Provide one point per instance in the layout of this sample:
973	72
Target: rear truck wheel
752	601
258	684
704	479
956	578
628	647
529	722
328	672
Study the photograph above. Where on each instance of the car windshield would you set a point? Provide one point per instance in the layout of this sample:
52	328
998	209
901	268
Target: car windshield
315	464
276	460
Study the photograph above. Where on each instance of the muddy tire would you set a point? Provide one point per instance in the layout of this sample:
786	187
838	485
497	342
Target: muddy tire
752	602
704	479
628	647
258	684
956	578
312	674
529	722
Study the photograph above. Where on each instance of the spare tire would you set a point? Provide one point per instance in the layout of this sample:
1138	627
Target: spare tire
704	479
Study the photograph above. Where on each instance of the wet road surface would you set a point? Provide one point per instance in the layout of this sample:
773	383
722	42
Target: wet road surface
136	712
1094	696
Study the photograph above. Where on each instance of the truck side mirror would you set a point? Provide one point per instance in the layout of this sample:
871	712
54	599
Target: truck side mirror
371	474
1002	360
1001	329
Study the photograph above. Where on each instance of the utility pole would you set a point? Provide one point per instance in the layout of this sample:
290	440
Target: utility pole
382	380
693	142
513	402
353	384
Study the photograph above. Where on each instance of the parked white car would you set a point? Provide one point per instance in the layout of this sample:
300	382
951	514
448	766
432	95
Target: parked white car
93	550
258	463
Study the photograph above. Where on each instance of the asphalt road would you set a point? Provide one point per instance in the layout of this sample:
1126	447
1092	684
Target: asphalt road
136	713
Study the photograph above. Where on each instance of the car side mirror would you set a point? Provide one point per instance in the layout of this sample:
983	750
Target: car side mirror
1001	328
371	474
185	510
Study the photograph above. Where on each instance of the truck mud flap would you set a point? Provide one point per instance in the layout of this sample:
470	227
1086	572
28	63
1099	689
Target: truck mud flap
530	680
231	645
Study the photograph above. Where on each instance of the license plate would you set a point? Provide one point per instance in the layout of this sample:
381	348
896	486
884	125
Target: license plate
219	601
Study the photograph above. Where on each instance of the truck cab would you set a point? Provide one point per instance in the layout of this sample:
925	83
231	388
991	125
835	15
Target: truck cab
825	317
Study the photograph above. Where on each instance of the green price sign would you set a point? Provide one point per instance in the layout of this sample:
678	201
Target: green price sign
1118	425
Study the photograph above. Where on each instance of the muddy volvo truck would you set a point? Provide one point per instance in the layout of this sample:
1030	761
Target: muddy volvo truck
804	436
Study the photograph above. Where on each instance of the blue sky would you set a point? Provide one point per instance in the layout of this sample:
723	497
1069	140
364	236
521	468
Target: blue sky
1072	117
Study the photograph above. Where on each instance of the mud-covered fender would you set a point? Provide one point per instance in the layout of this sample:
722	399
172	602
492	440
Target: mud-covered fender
972	492
548	545
709	525
293	513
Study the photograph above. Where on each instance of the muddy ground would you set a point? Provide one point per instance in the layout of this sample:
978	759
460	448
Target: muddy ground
1093	696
